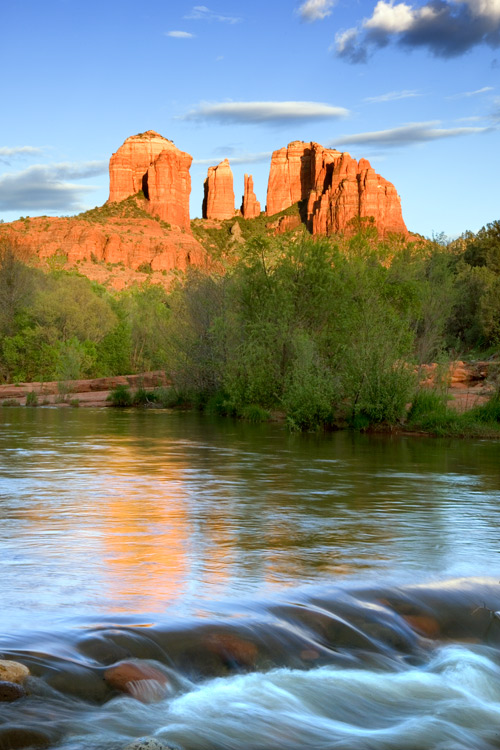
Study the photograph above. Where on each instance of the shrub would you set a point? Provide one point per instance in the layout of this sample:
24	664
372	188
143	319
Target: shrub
10	402
254	413
31	399
142	397
120	396
169	398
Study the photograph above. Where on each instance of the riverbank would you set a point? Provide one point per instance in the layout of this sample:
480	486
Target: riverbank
90	392
454	400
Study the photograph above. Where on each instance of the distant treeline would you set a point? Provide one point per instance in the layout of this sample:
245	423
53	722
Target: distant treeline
314	328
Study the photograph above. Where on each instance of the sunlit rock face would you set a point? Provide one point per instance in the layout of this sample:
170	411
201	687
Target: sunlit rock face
153	164
250	206
336	190
218	202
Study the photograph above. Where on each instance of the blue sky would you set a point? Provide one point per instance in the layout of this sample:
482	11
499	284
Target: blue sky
412	86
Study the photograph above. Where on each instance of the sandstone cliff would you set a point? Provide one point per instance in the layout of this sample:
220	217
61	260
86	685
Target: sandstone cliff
250	206
108	249
335	186
218	202
153	164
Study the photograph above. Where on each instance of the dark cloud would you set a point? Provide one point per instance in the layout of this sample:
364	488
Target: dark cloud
44	187
405	135
265	112
446	28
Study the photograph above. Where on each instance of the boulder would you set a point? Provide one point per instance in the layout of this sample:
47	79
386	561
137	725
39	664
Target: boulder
218	202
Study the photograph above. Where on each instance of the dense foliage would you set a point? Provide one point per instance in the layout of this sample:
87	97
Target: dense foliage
319	329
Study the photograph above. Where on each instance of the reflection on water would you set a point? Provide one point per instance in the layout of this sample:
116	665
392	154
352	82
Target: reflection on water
140	512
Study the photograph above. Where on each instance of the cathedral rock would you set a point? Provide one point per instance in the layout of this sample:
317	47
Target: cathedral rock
153	164
335	187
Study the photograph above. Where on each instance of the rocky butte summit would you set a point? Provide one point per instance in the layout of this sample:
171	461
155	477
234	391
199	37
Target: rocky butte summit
145	225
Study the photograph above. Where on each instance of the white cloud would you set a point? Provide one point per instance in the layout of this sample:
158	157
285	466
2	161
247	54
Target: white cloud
390	18
179	34
262	112
45	187
392	96
409	134
202	13
19	150
316	10
465	94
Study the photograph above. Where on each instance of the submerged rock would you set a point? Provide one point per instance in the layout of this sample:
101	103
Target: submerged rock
11	691
140	680
18	738
147	743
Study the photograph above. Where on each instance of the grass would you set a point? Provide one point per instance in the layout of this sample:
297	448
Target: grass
430	413
129	208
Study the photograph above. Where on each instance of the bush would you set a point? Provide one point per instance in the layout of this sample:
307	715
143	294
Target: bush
10	402
120	396
254	413
31	399
142	397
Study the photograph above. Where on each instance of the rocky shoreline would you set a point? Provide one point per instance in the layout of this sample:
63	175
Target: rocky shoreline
90	392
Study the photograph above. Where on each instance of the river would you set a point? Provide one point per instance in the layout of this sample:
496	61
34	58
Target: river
284	591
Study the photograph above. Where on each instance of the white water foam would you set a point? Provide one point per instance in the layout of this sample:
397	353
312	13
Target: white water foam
453	703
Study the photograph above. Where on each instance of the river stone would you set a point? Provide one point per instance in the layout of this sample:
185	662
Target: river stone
10	691
13	671
146	743
139	679
18	738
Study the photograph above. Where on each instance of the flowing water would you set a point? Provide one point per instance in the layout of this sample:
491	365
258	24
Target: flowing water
271	591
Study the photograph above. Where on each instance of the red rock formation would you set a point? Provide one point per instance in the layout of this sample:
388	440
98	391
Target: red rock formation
151	163
289	176
169	187
130	242
337	188
250	206
218	202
